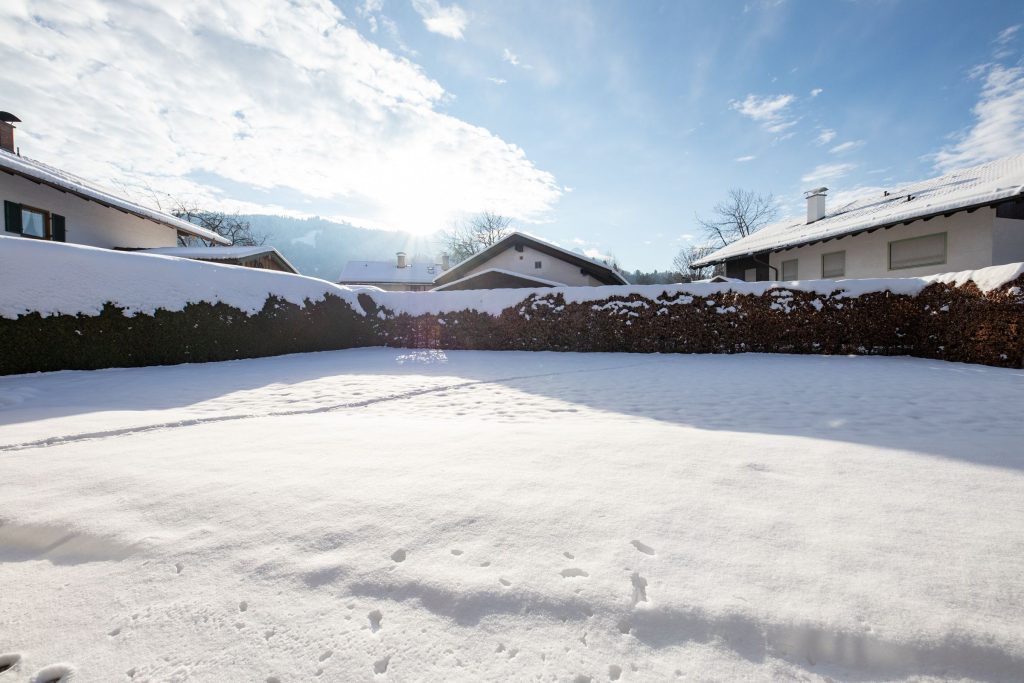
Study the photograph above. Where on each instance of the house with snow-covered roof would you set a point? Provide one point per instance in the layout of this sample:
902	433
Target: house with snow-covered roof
264	257
46	203
520	260
964	220
399	275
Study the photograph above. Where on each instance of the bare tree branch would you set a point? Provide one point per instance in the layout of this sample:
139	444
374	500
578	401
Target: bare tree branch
231	226
742	214
471	236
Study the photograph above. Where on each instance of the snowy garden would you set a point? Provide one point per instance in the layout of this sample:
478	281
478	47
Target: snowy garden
390	514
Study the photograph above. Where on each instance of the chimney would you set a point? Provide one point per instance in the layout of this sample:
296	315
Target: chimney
401	259
445	262
7	121
815	203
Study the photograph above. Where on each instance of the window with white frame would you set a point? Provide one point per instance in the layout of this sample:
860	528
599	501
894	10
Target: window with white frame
833	264
789	270
927	250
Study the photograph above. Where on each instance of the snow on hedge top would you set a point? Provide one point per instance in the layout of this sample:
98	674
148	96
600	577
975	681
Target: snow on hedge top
980	185
53	278
68	182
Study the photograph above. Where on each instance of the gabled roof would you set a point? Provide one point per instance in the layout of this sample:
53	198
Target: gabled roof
373	272
220	253
498	278
38	172
963	190
598	270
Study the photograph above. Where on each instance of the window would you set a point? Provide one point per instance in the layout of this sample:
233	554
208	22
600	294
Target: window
536	264
789	270
750	275
32	222
35	223
834	264
928	250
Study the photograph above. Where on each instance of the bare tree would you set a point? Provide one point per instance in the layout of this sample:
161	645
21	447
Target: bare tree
742	214
231	226
471	236
684	262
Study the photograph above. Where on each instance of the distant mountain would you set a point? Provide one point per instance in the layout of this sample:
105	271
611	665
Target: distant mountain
320	247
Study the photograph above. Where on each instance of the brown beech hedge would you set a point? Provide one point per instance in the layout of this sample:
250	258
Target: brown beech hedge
943	322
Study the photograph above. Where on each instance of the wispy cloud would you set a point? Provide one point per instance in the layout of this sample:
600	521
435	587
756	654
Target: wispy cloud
816	92
447	21
746	158
496	80
827	172
825	136
998	128
844	147
1003	41
283	104
510	57
772	113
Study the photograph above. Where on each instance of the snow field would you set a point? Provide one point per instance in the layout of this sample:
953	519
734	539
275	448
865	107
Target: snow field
391	515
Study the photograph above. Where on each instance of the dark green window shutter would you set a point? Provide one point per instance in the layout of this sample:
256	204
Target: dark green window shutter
12	216
57	227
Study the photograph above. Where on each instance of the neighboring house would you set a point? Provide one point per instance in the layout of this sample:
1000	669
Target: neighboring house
523	261
964	220
43	202
399	275
267	258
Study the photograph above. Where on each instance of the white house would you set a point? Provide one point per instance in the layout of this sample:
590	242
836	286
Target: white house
523	261
964	220
43	202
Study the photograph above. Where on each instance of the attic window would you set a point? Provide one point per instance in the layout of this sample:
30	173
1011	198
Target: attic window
519	247
536	264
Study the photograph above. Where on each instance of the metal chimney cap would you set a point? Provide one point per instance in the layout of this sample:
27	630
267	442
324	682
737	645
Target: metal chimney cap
8	117
817	190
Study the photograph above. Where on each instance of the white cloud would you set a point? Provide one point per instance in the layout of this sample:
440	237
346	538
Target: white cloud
447	21
998	128
282	105
849	146
827	172
1008	34
510	57
771	112
825	136
597	254
496	80
816	92
746	158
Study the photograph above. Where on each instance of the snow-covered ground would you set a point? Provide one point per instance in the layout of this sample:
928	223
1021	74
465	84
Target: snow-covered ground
380	514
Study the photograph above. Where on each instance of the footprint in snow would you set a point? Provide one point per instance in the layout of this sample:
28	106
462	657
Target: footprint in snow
505	582
9	660
326	655
569	555
381	665
614	672
243	606
573	572
456	551
55	673
643	547
178	566
114	632
375	618
639	589
399	555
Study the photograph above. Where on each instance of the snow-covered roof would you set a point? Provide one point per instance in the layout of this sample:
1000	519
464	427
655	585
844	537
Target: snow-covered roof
218	253
372	272
67	182
957	191
501	271
599	269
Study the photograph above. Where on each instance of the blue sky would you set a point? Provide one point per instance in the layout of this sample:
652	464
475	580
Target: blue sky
603	126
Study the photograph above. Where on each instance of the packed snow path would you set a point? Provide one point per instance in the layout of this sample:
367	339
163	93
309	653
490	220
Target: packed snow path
390	515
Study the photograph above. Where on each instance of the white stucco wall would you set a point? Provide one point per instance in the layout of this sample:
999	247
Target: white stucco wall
969	246
87	222
552	268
